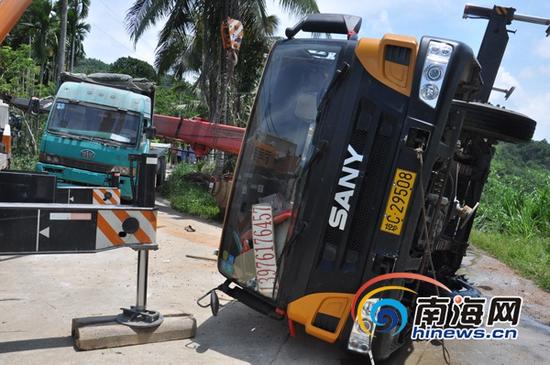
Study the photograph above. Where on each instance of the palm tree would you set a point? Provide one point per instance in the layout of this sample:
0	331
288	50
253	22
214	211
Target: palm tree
190	39
40	23
77	29
62	38
39	27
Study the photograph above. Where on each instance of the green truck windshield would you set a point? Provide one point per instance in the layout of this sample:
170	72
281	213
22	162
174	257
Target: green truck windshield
94	122
275	157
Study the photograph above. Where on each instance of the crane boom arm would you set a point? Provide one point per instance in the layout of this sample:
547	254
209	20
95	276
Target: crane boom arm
200	133
10	12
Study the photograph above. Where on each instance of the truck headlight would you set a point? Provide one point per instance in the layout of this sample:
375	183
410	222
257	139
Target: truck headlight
123	170
46	157
429	92
360	341
433	74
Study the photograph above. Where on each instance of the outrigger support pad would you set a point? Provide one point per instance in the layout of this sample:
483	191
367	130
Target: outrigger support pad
134	317
139	316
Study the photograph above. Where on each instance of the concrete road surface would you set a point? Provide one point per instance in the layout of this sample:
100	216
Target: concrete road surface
39	296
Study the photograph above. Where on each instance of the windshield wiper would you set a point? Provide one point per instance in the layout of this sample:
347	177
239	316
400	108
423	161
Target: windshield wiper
105	140
335	80
63	134
81	137
318	149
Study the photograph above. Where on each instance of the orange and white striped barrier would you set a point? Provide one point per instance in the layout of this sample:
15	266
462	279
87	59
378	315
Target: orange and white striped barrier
6	139
125	227
88	195
73	228
106	196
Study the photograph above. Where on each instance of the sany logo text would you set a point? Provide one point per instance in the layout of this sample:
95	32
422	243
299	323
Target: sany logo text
339	212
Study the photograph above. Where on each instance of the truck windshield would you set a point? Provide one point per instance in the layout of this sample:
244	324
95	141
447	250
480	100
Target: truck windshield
94	122
277	148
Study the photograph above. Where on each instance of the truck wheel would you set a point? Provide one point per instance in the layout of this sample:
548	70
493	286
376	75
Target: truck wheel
493	122
161	173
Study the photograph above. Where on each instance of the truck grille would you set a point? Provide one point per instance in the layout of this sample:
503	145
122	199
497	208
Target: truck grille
77	164
370	197
345	251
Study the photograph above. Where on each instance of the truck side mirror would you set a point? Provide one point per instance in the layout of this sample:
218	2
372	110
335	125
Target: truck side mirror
150	132
34	105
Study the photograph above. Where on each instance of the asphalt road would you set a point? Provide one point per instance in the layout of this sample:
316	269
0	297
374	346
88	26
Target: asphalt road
39	296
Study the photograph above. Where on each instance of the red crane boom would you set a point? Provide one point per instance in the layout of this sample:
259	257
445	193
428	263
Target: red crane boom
201	134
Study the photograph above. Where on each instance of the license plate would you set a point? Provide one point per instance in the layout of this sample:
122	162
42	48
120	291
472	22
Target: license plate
398	201
264	248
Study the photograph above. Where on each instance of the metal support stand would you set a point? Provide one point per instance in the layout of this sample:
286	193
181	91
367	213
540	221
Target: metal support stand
138	315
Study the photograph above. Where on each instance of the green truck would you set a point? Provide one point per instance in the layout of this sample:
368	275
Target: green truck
95	124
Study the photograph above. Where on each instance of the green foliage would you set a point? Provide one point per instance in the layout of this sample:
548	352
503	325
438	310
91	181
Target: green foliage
39	27
25	145
134	67
17	70
77	30
189	197
515	198
516	157
42	90
513	221
91	65
166	101
23	161
190	41
18	73
206	166
179	100
530	256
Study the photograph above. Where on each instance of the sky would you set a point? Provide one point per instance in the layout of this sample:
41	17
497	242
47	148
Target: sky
526	63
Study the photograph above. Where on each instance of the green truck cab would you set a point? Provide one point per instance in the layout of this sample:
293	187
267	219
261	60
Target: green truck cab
95	123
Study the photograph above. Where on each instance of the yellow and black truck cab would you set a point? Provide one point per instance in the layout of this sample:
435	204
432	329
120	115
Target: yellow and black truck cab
343	135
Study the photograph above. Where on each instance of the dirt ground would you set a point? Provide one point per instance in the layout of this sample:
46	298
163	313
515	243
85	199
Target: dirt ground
39	296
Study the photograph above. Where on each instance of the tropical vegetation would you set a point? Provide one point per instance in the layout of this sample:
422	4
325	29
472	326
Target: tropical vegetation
39	27
190	41
513	221
188	196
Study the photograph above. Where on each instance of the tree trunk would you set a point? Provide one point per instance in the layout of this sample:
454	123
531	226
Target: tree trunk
42	72
72	54
62	40
73	34
226	68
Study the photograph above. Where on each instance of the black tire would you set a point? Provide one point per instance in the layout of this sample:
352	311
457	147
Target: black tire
493	122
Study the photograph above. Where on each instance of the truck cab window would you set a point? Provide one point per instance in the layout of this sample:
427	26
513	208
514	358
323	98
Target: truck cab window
112	126
276	151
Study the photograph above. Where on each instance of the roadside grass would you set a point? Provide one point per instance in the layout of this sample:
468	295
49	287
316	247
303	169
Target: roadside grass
188	195
516	204
513	220
530	256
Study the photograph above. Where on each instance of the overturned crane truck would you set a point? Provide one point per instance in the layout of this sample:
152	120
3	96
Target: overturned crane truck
97	122
362	157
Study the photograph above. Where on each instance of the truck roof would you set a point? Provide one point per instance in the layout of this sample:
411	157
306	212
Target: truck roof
107	96
120	81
